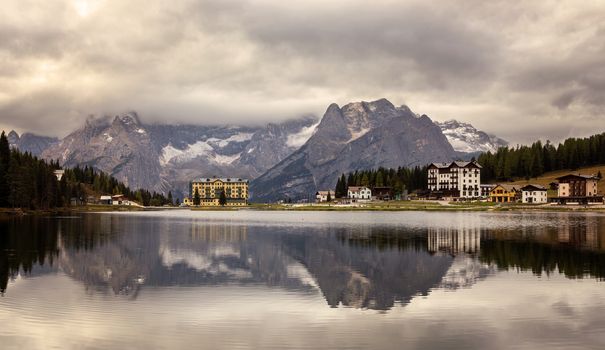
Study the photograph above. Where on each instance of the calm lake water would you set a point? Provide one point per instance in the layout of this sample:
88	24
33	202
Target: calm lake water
355	280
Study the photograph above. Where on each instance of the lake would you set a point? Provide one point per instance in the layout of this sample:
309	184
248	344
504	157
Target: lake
303	280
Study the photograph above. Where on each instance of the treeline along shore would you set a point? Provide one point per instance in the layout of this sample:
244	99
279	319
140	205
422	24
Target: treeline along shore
533	161
30	183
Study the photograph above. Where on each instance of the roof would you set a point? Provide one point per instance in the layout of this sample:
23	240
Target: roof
458	163
323	193
532	187
222	179
509	188
357	188
585	177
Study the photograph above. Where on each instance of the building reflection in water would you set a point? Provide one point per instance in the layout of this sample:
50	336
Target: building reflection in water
218	232
461	235
363	266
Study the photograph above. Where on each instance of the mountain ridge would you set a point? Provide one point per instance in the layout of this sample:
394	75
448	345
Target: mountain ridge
360	135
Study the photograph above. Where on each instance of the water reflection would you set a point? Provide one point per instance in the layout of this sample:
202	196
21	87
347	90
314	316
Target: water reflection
362	266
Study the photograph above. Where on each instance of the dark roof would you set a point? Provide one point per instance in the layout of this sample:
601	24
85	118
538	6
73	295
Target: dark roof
223	179
577	176
356	188
532	187
459	164
507	187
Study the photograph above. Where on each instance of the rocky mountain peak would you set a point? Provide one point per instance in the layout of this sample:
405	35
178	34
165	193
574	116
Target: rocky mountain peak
128	122
130	118
13	137
466	138
360	135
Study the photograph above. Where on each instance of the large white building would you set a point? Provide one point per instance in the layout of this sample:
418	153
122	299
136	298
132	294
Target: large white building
456	179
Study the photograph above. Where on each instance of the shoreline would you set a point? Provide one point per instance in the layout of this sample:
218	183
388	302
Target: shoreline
377	207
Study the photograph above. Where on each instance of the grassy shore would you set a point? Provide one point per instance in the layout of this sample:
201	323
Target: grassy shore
426	206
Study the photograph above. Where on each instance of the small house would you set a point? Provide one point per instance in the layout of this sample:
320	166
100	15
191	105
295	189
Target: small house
359	193
382	193
504	194
105	200
118	199
322	196
534	194
485	189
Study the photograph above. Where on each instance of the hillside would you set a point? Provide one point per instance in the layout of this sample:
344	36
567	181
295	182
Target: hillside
550	177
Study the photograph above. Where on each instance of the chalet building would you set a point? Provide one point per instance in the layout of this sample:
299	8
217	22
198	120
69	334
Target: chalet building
187	202
359	193
534	194
382	193
577	186
322	196
577	189
456	179
504	194
118	199
105	200
210	189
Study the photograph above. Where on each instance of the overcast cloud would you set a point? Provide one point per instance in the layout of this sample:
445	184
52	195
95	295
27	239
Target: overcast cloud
522	70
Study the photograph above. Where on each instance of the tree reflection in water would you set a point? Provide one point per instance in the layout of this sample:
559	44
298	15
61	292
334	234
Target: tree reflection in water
365	266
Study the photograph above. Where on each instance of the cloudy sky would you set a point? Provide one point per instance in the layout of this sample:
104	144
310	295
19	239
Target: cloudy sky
522	70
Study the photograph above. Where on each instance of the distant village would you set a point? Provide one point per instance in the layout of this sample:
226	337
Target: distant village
461	181
453	182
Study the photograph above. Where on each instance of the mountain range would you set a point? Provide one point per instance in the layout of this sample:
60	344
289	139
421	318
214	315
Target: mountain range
290	159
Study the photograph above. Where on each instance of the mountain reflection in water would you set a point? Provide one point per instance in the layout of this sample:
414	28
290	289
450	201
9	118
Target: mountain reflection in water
362	266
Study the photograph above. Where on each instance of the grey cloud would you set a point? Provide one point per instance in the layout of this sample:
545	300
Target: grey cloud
495	64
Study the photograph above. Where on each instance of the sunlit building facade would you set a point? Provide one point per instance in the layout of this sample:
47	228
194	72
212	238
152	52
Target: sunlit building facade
210	189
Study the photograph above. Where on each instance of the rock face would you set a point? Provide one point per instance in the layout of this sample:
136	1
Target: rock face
163	157
122	148
360	135
31	143
466	138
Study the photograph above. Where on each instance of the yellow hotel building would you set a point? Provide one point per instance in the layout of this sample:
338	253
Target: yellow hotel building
209	189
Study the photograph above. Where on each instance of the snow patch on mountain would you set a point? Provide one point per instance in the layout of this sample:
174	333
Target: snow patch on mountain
298	139
205	149
239	137
225	160
170	153
466	138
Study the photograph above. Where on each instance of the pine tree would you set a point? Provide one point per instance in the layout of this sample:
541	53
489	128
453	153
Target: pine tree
196	197
329	198
365	180
4	170
379	179
222	199
170	200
